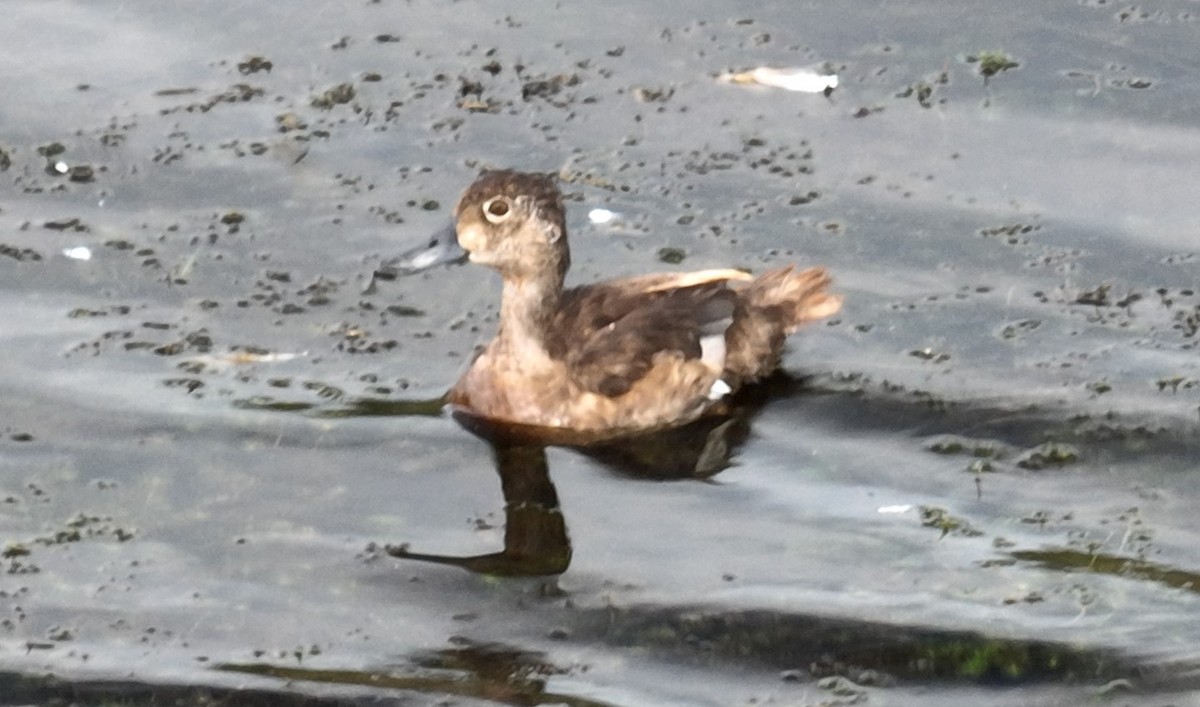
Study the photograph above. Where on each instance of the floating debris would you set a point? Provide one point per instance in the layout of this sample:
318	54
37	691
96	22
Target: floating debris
793	79
1047	456
992	63
254	64
672	256
340	94
79	252
245	358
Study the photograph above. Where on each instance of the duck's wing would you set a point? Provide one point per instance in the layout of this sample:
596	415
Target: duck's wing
609	332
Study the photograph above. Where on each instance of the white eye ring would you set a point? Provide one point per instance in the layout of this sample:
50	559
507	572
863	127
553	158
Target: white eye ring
497	209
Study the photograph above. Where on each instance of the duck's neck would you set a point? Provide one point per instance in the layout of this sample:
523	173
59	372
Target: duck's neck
527	307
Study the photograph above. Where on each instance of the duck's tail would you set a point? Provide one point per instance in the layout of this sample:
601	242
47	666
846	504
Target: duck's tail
769	308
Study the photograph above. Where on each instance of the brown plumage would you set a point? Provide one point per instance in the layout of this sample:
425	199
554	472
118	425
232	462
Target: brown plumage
622	355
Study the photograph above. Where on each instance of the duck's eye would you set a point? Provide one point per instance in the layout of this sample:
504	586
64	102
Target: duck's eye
497	209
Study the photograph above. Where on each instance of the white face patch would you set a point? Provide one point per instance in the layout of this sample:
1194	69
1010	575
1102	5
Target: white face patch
471	237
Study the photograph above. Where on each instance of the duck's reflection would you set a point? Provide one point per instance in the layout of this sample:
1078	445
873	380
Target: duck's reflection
536	542
535	534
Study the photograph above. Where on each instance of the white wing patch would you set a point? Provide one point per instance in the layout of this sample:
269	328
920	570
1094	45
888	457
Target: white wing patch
712	353
719	390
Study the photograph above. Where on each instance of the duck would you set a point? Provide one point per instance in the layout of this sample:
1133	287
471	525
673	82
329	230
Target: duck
621	356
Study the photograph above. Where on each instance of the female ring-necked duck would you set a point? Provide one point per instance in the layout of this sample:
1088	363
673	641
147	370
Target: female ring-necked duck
624	355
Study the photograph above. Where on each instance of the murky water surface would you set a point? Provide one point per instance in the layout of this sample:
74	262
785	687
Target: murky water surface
220	446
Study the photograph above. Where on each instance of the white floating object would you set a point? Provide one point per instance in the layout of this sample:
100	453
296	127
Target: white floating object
905	508
246	358
601	216
62	167
794	79
79	252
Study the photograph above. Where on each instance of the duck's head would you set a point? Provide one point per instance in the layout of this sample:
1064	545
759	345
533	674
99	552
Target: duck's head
514	222
511	221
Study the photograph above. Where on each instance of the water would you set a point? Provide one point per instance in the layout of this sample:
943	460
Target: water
980	492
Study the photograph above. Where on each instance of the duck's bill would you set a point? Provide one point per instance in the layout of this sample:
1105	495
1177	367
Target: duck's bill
440	248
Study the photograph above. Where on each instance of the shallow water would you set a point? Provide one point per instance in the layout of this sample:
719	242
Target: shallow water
977	485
